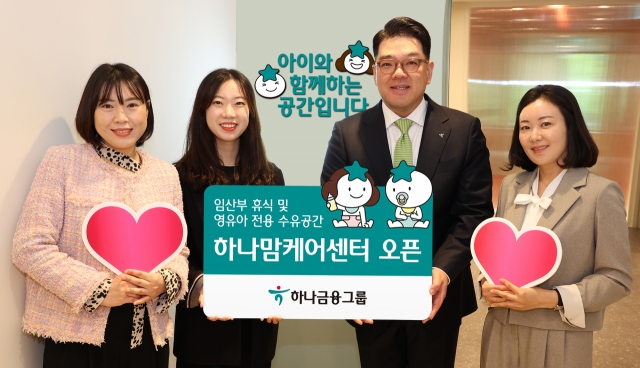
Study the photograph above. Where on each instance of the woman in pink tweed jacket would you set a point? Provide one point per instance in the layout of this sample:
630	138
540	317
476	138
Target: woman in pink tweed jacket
88	315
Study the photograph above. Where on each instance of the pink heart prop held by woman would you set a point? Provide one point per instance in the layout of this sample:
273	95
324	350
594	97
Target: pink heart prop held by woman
525	259
122	239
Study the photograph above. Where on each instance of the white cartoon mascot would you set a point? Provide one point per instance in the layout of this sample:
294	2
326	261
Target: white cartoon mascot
270	84
350	189
408	189
356	60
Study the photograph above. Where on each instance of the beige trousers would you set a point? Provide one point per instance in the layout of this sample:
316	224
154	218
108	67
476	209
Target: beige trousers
514	346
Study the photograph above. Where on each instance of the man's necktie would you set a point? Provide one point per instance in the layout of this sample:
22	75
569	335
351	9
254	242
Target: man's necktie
403	146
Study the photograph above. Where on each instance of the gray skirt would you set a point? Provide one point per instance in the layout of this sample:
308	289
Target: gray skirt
511	346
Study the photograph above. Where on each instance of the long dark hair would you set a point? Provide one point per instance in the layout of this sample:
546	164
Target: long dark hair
201	162
582	150
103	80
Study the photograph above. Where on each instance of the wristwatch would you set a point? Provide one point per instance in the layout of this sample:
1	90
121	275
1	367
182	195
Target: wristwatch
560	305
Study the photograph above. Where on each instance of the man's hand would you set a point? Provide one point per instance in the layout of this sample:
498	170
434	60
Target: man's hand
438	291
360	321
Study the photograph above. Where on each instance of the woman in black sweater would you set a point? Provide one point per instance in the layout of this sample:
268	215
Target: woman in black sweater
223	146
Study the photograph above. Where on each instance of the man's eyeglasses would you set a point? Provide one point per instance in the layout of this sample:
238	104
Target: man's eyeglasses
410	65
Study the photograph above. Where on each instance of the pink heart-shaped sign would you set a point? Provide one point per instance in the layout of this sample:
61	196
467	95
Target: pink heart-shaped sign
526	258
121	238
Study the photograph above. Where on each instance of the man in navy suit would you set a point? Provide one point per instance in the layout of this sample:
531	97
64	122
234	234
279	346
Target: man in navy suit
449	147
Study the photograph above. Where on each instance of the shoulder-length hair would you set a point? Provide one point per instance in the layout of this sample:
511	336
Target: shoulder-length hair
582	150
102	81
331	187
201	161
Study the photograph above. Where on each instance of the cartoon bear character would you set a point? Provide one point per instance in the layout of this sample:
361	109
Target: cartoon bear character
408	189
350	189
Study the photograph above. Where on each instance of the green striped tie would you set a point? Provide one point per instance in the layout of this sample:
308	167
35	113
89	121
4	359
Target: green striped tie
403	146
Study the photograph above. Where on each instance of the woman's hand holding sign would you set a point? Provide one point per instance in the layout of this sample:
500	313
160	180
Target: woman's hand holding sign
272	319
212	318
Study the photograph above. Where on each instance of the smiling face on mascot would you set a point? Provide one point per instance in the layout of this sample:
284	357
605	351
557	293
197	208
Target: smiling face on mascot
408	189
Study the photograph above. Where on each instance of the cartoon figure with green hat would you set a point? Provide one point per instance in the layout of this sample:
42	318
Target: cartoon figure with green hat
350	189
270	84
408	189
356	60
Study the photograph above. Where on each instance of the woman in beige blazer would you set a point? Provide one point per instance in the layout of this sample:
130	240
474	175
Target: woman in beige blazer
552	325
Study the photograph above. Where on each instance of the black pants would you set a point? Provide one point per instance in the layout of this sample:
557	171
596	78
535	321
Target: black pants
246	352
401	344
181	364
115	352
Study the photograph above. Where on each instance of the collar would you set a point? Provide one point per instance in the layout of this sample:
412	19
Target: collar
417	116
551	188
118	158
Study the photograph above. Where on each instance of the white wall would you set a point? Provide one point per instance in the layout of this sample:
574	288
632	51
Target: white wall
47	52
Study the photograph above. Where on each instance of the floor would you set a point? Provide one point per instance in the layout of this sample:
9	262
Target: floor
616	345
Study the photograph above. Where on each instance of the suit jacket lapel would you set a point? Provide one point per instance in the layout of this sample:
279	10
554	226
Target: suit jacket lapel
515	212
435	134
374	140
564	197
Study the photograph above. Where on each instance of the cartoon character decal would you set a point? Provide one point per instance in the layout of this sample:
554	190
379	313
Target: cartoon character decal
270	84
350	189
408	189
356	60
